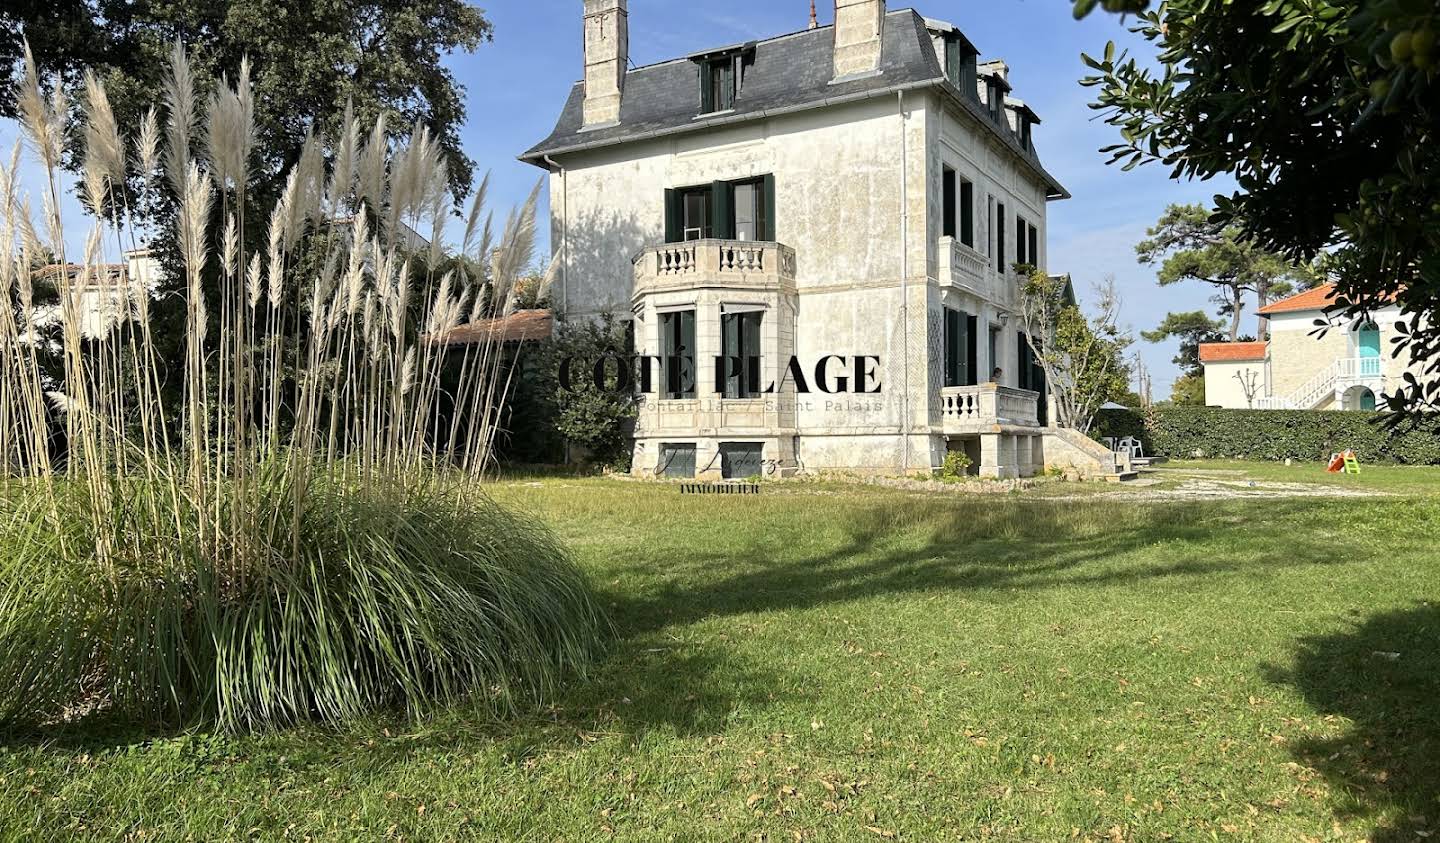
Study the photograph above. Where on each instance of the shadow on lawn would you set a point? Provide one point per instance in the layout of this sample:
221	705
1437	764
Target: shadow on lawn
982	548
658	676
1383	676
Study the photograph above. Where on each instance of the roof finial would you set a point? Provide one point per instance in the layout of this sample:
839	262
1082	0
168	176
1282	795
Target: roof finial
813	22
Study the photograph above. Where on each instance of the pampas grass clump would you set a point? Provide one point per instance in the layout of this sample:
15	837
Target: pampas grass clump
305	536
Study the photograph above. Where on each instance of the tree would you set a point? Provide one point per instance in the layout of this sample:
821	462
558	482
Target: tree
1192	328
1190	246
1249	385
1083	359
1325	113
309	59
1189	389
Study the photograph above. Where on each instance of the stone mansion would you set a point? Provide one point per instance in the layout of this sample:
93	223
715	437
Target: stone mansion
855	190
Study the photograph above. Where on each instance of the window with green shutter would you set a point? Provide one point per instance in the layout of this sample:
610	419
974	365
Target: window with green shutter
677	345
740	348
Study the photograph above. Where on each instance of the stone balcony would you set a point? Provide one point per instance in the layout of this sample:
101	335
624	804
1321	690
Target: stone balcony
966	269
721	264
987	408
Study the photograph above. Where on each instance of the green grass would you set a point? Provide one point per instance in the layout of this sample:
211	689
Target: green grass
844	662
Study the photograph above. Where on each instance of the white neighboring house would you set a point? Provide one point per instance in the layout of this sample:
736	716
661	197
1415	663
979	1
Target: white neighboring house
1346	368
856	189
103	294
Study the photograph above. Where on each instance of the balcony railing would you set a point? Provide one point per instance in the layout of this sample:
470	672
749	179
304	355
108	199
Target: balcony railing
756	263
973	409
968	269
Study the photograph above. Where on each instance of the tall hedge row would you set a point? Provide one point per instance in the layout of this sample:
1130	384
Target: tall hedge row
1183	432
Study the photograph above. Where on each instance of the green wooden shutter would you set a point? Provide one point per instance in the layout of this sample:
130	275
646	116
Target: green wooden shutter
766	223
722	221
1000	237
674	219
967	213
953	59
707	103
952	347
1034	246
972	366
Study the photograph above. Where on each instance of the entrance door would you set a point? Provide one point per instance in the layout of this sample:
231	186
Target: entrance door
1367	344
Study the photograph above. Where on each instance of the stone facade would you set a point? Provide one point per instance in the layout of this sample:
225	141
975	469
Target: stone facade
862	257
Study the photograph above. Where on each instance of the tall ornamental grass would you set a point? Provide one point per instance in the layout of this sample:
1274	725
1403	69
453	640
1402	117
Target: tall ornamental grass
300	533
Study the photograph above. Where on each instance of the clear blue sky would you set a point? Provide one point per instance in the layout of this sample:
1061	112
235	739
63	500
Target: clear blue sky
517	84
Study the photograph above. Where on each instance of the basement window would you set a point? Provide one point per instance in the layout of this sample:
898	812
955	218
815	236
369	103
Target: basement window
677	459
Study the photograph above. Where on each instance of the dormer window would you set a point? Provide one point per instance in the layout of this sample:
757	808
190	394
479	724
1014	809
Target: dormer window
722	75
995	99
960	56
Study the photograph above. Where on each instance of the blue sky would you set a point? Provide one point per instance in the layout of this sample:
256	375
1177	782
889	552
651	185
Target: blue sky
517	84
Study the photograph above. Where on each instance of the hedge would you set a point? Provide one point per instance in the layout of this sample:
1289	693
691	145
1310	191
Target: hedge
1183	432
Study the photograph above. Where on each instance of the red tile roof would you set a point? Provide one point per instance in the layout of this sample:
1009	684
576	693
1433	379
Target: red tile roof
1316	299
1228	352
518	326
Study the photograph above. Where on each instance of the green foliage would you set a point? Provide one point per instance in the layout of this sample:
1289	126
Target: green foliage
1189	390
1273	434
1083	359
598	421
309	57
1190	246
391	593
956	465
1192	328
1325	114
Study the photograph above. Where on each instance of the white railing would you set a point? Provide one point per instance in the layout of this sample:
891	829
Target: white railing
1338	376
675	260
748	257
963	266
988	404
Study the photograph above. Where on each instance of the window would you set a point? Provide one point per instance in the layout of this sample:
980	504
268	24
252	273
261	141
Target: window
959	342
947	198
960	64
751	208
967	213
1026	141
739	460
1000	237
1034	246
989	224
995	99
717	85
677	365
993	352
740	348
677	459
742	210
1021	256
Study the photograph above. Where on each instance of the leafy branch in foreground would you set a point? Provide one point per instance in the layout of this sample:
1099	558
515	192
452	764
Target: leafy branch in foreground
305	536
1325	114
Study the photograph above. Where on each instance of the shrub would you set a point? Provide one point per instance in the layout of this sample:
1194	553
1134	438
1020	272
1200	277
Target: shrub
1272	434
956	465
302	533
404	593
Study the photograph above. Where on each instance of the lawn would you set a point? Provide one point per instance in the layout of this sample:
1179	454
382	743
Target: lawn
825	662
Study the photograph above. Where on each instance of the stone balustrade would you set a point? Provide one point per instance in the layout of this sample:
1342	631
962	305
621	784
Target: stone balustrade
728	263
981	408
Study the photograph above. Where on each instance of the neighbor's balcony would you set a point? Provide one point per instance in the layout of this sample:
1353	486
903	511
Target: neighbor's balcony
983	408
753	264
963	267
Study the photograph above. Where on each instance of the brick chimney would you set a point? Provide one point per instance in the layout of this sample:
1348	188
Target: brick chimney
858	27
607	54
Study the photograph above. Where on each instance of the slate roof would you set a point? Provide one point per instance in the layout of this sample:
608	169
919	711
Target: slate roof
1227	352
790	73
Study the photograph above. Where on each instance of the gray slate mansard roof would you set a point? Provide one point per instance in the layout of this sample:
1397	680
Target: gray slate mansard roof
791	73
